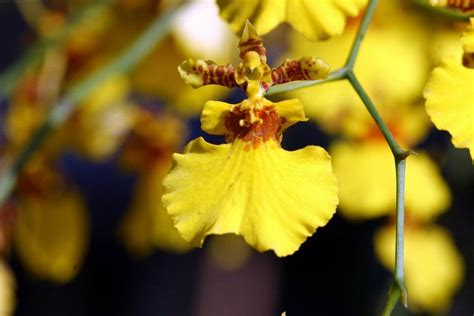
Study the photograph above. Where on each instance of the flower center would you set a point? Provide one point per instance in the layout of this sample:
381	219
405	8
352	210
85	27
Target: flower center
253	125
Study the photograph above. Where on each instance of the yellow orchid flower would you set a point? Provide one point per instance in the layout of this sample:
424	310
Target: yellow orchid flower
7	290
434	269
449	95
250	186
51	229
314	19
147	225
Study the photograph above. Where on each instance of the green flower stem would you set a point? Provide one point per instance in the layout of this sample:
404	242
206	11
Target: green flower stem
397	151
364	25
155	32
397	290
10	78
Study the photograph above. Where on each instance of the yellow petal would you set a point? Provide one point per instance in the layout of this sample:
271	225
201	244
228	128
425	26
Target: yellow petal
291	110
450	102
366	174
7	290
434	268
213	117
321	19
51	235
274	198
314	19
147	225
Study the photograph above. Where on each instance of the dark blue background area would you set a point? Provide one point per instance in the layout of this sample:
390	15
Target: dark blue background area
334	273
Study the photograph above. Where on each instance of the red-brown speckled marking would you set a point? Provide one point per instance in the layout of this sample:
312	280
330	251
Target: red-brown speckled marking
270	126
463	5
253	44
220	75
290	70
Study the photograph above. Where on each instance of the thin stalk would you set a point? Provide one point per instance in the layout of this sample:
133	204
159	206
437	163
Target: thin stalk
155	32
393	297
10	78
397	290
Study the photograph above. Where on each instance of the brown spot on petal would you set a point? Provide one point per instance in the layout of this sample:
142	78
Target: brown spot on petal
267	125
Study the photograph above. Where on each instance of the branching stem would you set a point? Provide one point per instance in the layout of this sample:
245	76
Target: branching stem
397	290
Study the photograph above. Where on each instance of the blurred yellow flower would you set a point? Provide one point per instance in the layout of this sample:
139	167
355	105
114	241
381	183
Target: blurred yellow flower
148	149
152	140
100	124
250	186
7	290
450	95
26	112
147	225
367	182
391	65
434	269
51	233
314	19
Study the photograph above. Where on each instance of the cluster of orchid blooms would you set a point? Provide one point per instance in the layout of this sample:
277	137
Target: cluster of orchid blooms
250	186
